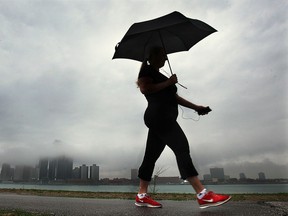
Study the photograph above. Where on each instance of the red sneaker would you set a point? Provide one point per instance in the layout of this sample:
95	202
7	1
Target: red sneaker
212	199
147	201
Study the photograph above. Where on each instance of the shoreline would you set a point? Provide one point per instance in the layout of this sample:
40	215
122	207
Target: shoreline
259	197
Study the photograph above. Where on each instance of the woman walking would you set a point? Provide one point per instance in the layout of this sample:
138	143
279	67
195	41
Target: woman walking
160	117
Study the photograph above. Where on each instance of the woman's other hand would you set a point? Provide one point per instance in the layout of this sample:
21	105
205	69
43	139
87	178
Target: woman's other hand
201	110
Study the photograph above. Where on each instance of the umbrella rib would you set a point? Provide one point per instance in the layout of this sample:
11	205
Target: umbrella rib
176	36
147	42
165	52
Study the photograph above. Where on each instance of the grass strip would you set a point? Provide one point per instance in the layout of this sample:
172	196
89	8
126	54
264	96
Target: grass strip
280	197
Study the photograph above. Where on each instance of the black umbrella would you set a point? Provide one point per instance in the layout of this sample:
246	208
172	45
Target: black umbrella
174	32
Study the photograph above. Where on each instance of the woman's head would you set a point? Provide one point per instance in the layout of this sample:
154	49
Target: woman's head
157	57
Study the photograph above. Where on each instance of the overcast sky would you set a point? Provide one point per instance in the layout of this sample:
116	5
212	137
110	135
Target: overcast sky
61	92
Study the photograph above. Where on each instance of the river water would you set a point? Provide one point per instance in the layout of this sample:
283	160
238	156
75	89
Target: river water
228	189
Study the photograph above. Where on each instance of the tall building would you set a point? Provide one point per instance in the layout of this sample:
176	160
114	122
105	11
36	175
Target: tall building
6	172
23	173
19	173
27	171
59	168
134	174
52	169
76	173
12	170
242	176
34	173
94	172
262	176
217	173
64	168
207	177
43	169
84	172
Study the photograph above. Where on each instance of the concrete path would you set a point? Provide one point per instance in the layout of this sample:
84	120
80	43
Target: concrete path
110	207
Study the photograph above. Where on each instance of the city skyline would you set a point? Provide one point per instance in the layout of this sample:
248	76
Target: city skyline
49	169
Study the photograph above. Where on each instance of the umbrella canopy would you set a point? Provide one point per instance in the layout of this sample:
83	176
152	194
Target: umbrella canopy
174	32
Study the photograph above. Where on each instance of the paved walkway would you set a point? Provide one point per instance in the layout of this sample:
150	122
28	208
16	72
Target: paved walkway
110	207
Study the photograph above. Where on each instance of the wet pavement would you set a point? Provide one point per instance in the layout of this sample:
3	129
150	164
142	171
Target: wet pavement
63	206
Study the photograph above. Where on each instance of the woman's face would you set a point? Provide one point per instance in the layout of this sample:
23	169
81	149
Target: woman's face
158	60
162	57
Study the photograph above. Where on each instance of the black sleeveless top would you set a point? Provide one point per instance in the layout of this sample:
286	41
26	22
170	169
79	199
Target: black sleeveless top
165	96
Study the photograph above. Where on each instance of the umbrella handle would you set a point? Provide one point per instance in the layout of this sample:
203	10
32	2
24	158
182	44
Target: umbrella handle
172	72
169	63
182	85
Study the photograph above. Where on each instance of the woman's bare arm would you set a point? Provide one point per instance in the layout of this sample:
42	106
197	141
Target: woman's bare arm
147	86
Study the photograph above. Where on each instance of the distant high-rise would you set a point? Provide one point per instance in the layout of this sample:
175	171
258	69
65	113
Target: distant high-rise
217	173
134	174
34	173
64	168
76	173
242	176
52	169
6	173
94	172
59	168
84	172
207	177
262	176
19	173
27	173
43	169
23	173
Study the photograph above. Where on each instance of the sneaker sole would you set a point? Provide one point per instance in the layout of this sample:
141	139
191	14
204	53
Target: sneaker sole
146	205
215	204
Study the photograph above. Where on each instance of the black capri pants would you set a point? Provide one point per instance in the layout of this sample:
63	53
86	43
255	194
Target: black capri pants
164	130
